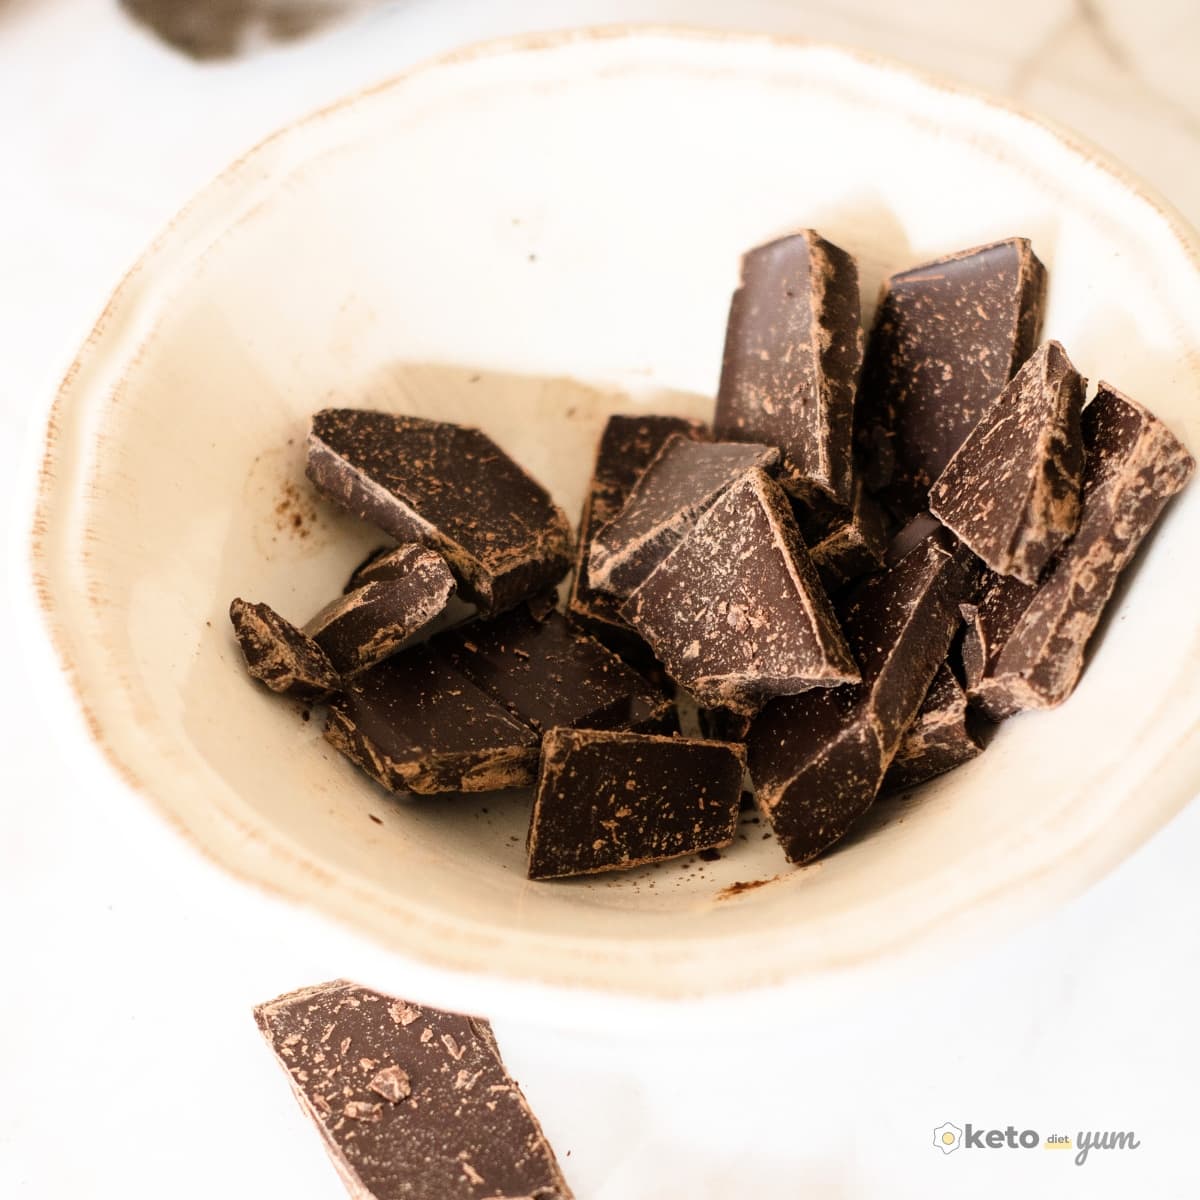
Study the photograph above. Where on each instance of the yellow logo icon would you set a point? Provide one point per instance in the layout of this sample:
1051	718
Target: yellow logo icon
947	1137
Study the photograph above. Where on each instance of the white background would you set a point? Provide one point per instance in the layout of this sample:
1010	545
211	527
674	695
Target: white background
129	1063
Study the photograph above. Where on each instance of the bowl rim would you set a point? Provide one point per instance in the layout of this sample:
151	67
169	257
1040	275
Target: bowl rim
1173	788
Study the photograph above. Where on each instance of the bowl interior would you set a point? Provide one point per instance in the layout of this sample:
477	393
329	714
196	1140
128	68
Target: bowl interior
528	241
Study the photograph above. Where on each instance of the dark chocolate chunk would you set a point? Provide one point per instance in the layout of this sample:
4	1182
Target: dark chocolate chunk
855	546
412	1103
818	759
938	740
1024	646
682	482
915	531
414	724
547	673
281	656
1011	491
736	612
627	447
947	337
607	801
384	562
450	488
723	724
793	354
363	627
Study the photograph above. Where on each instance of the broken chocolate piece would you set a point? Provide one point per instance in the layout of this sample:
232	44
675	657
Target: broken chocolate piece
608	801
854	547
793	354
547	673
363	627
412	1103
736	612
1011	491
384	562
818	759
281	656
681	483
627	447
938	740
414	724
723	724
947	337
1024	646
450	488
910	535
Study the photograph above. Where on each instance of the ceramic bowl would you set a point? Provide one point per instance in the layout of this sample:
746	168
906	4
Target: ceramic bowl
529	237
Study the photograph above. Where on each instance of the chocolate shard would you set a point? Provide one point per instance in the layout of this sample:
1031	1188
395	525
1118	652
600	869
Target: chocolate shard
414	724
547	673
363	627
939	740
450	488
853	547
1024	646
607	801
818	759
915	531
723	724
680	484
412	1103
281	656
793	355
736	612
947	337
1011	491
627	447
384	562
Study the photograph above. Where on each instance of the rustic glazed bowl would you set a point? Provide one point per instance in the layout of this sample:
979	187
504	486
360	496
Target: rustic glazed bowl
528	237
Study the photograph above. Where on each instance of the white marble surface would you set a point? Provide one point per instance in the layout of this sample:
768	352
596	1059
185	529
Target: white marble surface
1086	1020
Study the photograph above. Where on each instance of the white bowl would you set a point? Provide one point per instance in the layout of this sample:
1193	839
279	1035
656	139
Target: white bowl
528	237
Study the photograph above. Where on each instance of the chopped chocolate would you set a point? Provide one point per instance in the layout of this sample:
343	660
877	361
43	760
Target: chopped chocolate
363	627
1024	646
853	548
818	759
384	562
736	612
1011	491
723	724
548	673
947	337
938	740
627	447
913	533
450	488
608	801
281	656
411	1103
680	484
414	724
793	354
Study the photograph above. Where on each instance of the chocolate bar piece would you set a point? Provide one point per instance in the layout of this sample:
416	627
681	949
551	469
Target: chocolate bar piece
1011	491
363	627
412	1103
450	488
915	531
947	337
627	447
607	801
414	724
1024	646
384	562
793	354
736	612
547	673
681	483
939	739
853	547
281	656
818	759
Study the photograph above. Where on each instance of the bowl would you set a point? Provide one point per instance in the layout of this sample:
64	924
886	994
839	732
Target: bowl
528	237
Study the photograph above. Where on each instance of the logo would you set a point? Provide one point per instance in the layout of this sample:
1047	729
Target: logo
947	1138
